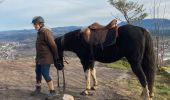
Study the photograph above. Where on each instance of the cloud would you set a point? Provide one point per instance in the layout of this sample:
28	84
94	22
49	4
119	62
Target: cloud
17	14
61	12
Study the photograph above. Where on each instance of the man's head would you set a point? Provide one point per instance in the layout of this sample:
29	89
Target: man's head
38	22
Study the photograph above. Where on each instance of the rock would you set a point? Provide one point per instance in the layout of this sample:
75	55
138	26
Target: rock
68	97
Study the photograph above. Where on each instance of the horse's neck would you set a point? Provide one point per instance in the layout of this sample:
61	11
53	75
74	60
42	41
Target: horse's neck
68	43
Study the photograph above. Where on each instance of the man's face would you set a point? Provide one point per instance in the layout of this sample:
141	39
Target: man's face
36	26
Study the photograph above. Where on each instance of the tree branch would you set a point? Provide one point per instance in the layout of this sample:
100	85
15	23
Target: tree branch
131	11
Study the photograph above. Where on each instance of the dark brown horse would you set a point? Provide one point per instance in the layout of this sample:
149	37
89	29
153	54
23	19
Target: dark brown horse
133	42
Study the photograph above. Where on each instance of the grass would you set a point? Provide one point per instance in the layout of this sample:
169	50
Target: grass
162	85
162	81
121	64
163	89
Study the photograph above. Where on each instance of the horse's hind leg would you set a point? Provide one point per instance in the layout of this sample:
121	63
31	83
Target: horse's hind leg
148	66
137	69
150	74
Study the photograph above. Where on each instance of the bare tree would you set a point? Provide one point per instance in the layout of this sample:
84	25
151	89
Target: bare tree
131	11
158	30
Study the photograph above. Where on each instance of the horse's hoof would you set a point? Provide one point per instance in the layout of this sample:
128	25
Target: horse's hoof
94	88
151	99
142	94
86	93
146	98
151	96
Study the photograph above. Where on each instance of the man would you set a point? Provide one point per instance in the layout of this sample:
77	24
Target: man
46	54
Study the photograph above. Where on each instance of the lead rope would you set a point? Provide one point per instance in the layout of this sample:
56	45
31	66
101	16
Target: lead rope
58	78
64	84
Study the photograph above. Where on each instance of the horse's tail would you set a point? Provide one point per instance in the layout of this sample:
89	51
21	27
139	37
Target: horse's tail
148	62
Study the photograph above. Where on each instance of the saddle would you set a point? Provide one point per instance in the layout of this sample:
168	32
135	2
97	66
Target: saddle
96	26
97	34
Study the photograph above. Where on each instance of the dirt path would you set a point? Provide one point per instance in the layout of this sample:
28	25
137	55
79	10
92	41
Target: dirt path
17	80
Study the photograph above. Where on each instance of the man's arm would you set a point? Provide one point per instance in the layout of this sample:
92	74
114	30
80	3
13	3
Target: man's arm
49	39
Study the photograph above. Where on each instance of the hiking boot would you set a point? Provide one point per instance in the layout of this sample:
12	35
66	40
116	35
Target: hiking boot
51	95
37	91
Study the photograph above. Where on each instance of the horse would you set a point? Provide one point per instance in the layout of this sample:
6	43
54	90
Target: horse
133	42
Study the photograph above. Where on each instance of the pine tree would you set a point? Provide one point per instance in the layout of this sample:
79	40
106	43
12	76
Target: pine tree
132	11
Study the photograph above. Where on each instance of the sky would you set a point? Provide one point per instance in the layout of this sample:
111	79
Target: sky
18	14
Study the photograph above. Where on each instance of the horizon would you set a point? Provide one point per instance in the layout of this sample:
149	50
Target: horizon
28	29
15	15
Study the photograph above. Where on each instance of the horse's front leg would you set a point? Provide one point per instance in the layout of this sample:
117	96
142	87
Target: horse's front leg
93	74
89	70
87	76
87	79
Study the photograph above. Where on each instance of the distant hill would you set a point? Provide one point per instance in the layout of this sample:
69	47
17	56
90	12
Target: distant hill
30	35
150	23
163	24
26	35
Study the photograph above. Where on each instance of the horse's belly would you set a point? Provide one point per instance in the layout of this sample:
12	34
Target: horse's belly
107	55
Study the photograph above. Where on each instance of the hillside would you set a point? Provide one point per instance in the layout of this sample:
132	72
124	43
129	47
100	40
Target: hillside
18	78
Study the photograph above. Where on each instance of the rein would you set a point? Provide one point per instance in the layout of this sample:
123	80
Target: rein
62	45
58	78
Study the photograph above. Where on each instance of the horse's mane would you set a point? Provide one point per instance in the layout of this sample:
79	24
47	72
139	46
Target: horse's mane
73	33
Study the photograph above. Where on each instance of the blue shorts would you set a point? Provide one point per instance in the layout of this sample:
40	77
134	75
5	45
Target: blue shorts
42	70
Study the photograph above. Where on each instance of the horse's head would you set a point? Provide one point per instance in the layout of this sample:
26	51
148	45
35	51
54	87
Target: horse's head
60	51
